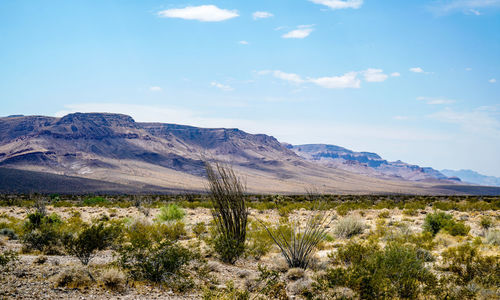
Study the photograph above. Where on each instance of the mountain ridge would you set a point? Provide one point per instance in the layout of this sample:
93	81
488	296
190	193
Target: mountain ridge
114	148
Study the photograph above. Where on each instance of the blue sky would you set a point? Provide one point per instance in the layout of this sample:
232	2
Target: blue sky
412	80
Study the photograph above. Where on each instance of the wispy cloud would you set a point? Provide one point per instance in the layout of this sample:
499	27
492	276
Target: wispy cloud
483	120
203	13
400	118
301	32
224	87
243	42
261	15
347	80
445	7
492	80
435	101
155	89
395	74
339	4
374	75
417	70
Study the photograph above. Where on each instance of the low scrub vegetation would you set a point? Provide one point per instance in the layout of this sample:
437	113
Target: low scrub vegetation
230	245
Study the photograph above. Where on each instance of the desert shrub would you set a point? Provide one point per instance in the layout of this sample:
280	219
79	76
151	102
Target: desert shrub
158	262
88	240
199	229
457	228
410	212
42	232
467	264
395	271
259	242
113	279
349	226
229	212
436	221
493	237
297	245
269	284
75	277
8	233
95	201
170	213
384	214
229	292
6	258
486	222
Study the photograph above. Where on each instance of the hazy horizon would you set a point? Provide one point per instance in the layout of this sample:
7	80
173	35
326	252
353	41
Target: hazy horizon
409	80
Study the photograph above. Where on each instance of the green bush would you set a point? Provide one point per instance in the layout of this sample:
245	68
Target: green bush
95	201
157	262
434	222
91	238
395	271
170	213
42	232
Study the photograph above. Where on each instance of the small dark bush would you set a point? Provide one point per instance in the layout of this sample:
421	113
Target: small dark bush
9	233
434	222
91	238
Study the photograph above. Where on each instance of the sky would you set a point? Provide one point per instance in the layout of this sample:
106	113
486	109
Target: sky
417	81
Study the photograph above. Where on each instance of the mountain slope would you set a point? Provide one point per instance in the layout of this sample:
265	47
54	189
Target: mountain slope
473	177
115	149
366	163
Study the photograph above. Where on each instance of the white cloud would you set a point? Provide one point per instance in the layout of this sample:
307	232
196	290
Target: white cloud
374	75
301	32
348	80
492	80
155	89
221	86
417	70
243	42
261	15
395	74
468	69
340	4
288	76
435	101
203	13
445	7
401	118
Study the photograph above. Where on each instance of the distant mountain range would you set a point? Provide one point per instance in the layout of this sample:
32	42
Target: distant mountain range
367	163
104	152
473	177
